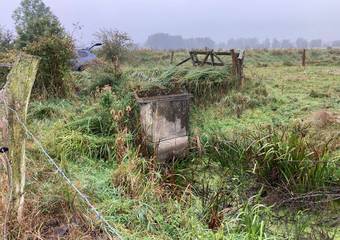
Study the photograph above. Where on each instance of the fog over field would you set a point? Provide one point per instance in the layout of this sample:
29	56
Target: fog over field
170	119
217	19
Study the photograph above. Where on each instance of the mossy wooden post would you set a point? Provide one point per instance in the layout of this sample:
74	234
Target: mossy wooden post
17	92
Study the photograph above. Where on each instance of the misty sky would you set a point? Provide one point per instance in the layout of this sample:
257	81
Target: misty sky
217	19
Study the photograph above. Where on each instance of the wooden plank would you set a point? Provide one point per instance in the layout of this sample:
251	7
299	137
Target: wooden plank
184	61
212	58
223	53
193	59
209	63
196	59
205	59
218	58
216	52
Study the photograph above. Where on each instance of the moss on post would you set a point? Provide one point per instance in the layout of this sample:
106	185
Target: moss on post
17	91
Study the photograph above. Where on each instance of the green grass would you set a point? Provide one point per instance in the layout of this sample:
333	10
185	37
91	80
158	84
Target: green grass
289	99
223	189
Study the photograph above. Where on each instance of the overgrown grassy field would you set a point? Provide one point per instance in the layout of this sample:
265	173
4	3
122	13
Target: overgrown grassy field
263	161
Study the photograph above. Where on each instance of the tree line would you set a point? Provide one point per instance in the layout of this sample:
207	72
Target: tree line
164	41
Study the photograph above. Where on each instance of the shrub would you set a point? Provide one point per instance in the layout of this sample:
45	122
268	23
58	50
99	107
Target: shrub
115	44
55	53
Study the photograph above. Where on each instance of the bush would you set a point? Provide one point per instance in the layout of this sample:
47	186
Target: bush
115	44
55	53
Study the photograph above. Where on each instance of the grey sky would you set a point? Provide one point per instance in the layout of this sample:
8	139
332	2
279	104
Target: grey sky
217	19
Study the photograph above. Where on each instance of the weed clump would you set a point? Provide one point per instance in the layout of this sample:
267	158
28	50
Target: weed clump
130	174
99	132
207	83
285	159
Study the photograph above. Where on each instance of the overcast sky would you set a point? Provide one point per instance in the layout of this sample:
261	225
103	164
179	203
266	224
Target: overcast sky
217	19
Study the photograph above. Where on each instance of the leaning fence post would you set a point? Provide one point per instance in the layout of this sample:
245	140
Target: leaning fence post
14	104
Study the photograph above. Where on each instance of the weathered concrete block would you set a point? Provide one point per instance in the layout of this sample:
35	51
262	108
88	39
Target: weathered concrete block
165	123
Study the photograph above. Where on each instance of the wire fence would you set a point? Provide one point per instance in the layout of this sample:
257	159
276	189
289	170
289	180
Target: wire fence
85	199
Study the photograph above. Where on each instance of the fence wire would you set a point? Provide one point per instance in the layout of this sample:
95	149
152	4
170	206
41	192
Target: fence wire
99	216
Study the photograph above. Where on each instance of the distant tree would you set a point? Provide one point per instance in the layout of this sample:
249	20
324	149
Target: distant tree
165	41
336	43
266	43
115	43
199	43
240	43
315	43
231	43
301	43
286	43
251	43
276	43
222	45
6	39
33	19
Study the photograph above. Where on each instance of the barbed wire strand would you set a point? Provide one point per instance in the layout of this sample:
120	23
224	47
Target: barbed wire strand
62	173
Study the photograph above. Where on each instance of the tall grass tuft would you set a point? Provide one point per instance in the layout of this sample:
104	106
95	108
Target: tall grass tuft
287	159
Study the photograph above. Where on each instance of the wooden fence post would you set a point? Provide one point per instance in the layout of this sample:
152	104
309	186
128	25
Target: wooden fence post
14	101
304	57
234	61
240	73
172	57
